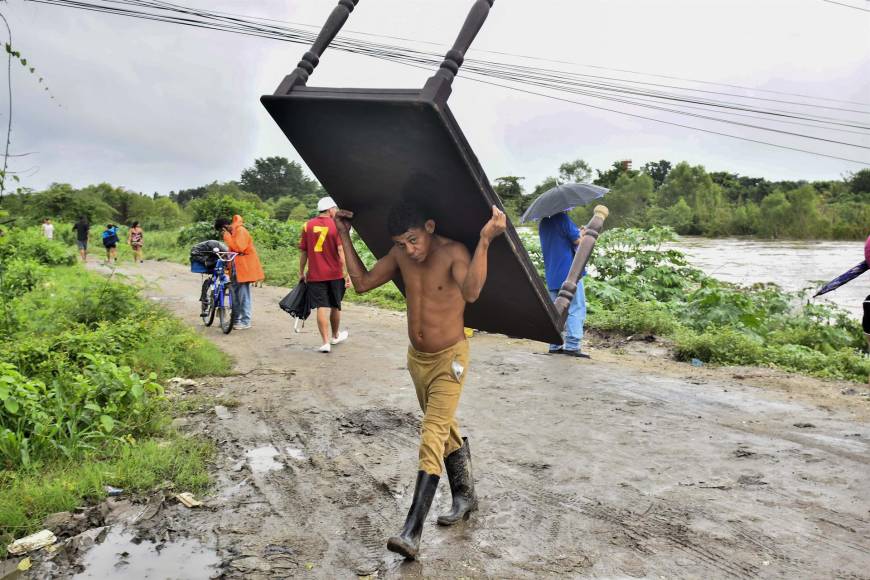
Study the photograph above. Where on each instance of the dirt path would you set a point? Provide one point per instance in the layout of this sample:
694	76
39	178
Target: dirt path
616	467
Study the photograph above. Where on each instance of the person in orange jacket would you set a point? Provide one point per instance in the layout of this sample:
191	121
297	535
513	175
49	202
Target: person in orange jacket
248	268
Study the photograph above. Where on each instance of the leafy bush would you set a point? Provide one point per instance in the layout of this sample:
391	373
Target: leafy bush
20	275
638	263
719	345
80	360
216	205
76	412
267	233
633	316
29	244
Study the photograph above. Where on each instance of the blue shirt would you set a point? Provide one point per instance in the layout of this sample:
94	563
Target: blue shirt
558	234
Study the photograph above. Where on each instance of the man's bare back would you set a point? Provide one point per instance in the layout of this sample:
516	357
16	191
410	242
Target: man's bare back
440	277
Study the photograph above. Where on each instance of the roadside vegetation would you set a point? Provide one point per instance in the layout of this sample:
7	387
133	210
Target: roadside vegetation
638	284
82	362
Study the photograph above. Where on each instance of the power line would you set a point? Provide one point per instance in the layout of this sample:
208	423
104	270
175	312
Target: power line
846	5
543	59
600	87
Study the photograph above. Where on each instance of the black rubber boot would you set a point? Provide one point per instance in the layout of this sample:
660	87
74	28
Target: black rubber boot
407	543
459	473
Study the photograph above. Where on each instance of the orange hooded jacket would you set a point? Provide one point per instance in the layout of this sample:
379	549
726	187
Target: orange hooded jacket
248	268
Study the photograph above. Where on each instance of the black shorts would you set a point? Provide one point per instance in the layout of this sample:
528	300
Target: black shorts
328	294
866	322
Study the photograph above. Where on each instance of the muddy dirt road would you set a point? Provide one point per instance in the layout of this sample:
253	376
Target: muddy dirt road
621	466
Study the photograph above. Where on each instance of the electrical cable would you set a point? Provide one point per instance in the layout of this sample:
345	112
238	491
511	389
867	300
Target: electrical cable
647	95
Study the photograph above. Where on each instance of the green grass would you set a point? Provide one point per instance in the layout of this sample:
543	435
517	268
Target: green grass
30	495
80	402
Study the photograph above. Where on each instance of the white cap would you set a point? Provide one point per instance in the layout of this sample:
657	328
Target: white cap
325	203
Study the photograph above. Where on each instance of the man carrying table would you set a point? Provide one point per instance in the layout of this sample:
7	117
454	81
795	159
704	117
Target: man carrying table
440	278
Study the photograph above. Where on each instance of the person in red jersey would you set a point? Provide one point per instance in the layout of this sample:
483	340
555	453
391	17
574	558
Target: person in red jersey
323	254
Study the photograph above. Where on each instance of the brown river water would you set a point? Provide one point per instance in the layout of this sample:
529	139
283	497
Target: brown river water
793	265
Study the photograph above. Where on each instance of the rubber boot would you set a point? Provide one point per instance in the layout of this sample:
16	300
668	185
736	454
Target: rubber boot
407	543
459	473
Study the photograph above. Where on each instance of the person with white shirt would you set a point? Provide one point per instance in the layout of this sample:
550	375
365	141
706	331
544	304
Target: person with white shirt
48	228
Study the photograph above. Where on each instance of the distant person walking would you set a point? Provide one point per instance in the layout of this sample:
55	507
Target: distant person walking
48	229
110	242
248	268
82	229
559	240
323	254
134	238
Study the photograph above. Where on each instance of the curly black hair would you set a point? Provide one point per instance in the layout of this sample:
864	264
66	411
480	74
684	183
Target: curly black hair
221	223
406	215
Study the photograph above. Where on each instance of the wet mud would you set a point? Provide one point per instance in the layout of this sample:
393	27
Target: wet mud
625	466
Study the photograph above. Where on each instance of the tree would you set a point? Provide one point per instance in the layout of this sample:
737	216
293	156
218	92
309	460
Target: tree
694	185
121	200
185	196
274	177
860	182
162	214
609	177
577	171
508	187
628	199
774	212
678	216
804	219
225	200
300	213
746	219
657	170
62	202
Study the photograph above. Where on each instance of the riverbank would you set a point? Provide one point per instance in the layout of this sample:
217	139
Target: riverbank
628	464
794	265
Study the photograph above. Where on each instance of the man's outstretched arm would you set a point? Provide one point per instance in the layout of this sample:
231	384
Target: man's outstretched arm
362	279
471	276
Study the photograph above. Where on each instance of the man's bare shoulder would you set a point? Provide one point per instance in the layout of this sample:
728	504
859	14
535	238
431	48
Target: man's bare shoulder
456	250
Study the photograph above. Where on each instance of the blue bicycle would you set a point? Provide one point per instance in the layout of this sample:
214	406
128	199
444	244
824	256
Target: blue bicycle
220	297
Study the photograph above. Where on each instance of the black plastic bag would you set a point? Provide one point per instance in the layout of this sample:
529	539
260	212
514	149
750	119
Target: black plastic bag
296	304
204	252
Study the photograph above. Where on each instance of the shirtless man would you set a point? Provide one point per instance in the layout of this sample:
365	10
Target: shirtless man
440	277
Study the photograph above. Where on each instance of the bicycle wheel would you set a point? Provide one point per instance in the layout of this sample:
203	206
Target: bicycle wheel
208	319
227	311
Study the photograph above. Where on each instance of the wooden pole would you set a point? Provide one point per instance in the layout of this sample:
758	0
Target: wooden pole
437	88
311	58
581	258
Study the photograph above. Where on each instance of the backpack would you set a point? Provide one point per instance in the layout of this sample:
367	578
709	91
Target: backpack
110	237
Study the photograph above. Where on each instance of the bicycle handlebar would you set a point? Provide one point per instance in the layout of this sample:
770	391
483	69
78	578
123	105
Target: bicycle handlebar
226	256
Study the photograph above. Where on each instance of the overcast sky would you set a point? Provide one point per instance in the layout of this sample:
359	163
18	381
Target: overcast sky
160	107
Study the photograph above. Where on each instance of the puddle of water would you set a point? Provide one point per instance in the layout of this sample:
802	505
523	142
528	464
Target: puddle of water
119	557
296	454
262	459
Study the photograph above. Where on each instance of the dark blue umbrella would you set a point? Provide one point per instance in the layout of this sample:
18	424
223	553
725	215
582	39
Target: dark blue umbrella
843	278
561	198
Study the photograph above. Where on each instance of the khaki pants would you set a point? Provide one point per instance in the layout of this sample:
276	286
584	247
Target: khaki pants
438	378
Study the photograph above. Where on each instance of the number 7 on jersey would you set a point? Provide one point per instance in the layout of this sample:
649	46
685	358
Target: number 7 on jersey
322	231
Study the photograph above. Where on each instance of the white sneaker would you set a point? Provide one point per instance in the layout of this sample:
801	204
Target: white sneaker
342	336
325	348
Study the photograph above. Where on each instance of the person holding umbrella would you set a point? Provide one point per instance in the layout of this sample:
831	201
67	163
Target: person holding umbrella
559	240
